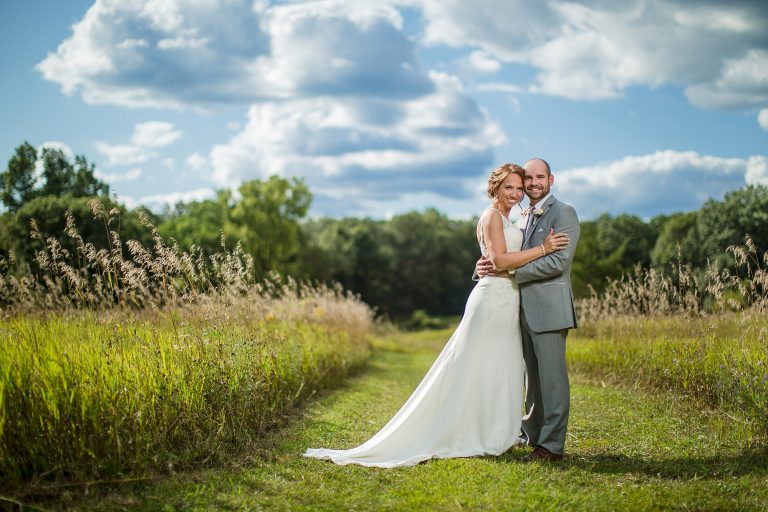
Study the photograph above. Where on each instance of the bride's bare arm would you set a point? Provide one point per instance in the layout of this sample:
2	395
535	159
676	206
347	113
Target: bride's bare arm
493	231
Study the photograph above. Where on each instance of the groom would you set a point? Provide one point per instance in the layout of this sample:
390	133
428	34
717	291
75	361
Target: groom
547	314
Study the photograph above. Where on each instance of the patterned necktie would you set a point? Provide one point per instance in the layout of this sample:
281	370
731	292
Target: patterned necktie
529	221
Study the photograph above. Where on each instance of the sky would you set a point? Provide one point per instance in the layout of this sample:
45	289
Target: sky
385	106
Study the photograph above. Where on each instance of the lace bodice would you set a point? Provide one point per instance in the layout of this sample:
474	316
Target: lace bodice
512	234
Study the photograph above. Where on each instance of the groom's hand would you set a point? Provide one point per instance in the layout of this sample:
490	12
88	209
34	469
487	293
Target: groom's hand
484	267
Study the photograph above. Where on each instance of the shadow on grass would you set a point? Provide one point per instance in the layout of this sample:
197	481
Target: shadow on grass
748	462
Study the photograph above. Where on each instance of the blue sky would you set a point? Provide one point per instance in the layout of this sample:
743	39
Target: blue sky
383	107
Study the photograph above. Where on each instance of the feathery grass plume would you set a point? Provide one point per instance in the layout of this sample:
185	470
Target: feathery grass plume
703	334
129	359
685	292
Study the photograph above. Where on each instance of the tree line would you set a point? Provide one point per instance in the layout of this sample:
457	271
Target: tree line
418	261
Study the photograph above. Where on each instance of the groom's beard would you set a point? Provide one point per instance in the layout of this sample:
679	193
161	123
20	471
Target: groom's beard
539	193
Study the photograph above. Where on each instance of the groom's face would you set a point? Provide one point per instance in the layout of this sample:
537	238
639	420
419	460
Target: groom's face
537	180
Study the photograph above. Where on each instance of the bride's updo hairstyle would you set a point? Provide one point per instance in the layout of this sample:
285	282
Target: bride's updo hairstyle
499	174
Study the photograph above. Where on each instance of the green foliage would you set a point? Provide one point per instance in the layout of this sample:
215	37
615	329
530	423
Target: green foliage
724	223
264	220
88	396
420	320
678	242
413	261
627	450
718	360
200	223
609	247
48	216
18	179
21	183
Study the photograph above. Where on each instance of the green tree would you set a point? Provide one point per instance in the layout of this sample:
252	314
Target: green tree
48	213
415	261
200	222
266	220
679	233
593	265
58	177
356	253
723	223
18	180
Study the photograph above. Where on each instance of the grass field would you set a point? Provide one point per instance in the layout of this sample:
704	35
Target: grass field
119	394
628	449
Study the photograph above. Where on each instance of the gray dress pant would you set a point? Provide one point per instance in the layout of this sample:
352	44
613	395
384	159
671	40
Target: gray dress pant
547	391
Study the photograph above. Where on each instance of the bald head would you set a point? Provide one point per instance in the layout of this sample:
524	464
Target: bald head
538	164
538	179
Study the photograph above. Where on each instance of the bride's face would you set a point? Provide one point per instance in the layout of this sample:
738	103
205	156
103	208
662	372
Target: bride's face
511	191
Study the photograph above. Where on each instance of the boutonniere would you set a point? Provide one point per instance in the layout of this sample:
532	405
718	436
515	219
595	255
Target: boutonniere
538	212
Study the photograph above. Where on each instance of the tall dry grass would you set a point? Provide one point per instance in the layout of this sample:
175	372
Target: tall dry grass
701	334
685	292
118	363
123	273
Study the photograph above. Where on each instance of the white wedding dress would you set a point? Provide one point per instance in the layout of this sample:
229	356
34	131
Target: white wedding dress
471	400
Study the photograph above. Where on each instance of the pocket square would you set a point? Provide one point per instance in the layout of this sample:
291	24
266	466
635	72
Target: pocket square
540	230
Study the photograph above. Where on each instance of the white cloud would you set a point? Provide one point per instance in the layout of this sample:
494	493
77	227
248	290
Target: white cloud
61	146
117	177
661	182
157	202
762	118
171	53
69	155
483	62
154	134
146	137
123	154
380	150
159	53
595	50
742	82
500	87
757	170
196	162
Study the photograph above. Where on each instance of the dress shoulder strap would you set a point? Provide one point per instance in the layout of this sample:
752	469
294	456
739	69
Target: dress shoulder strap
504	220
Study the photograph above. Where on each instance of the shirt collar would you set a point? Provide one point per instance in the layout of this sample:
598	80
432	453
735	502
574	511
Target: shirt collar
541	202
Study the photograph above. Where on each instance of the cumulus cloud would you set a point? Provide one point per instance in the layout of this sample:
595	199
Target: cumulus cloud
661	182
159	53
595	50
146	138
172	53
118	177
123	154
371	152
481	61
154	134
196	162
762	118
66	150
157	202
757	170
58	145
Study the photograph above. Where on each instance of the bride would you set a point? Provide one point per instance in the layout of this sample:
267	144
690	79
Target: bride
471	400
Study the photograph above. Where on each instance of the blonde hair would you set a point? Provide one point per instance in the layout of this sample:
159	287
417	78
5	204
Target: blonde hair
499	174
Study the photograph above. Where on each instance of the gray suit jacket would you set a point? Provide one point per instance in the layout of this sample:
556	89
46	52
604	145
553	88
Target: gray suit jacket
545	283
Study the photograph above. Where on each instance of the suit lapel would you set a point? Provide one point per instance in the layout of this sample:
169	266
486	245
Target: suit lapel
546	207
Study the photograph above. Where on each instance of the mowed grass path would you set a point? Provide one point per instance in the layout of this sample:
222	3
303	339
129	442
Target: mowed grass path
627	450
